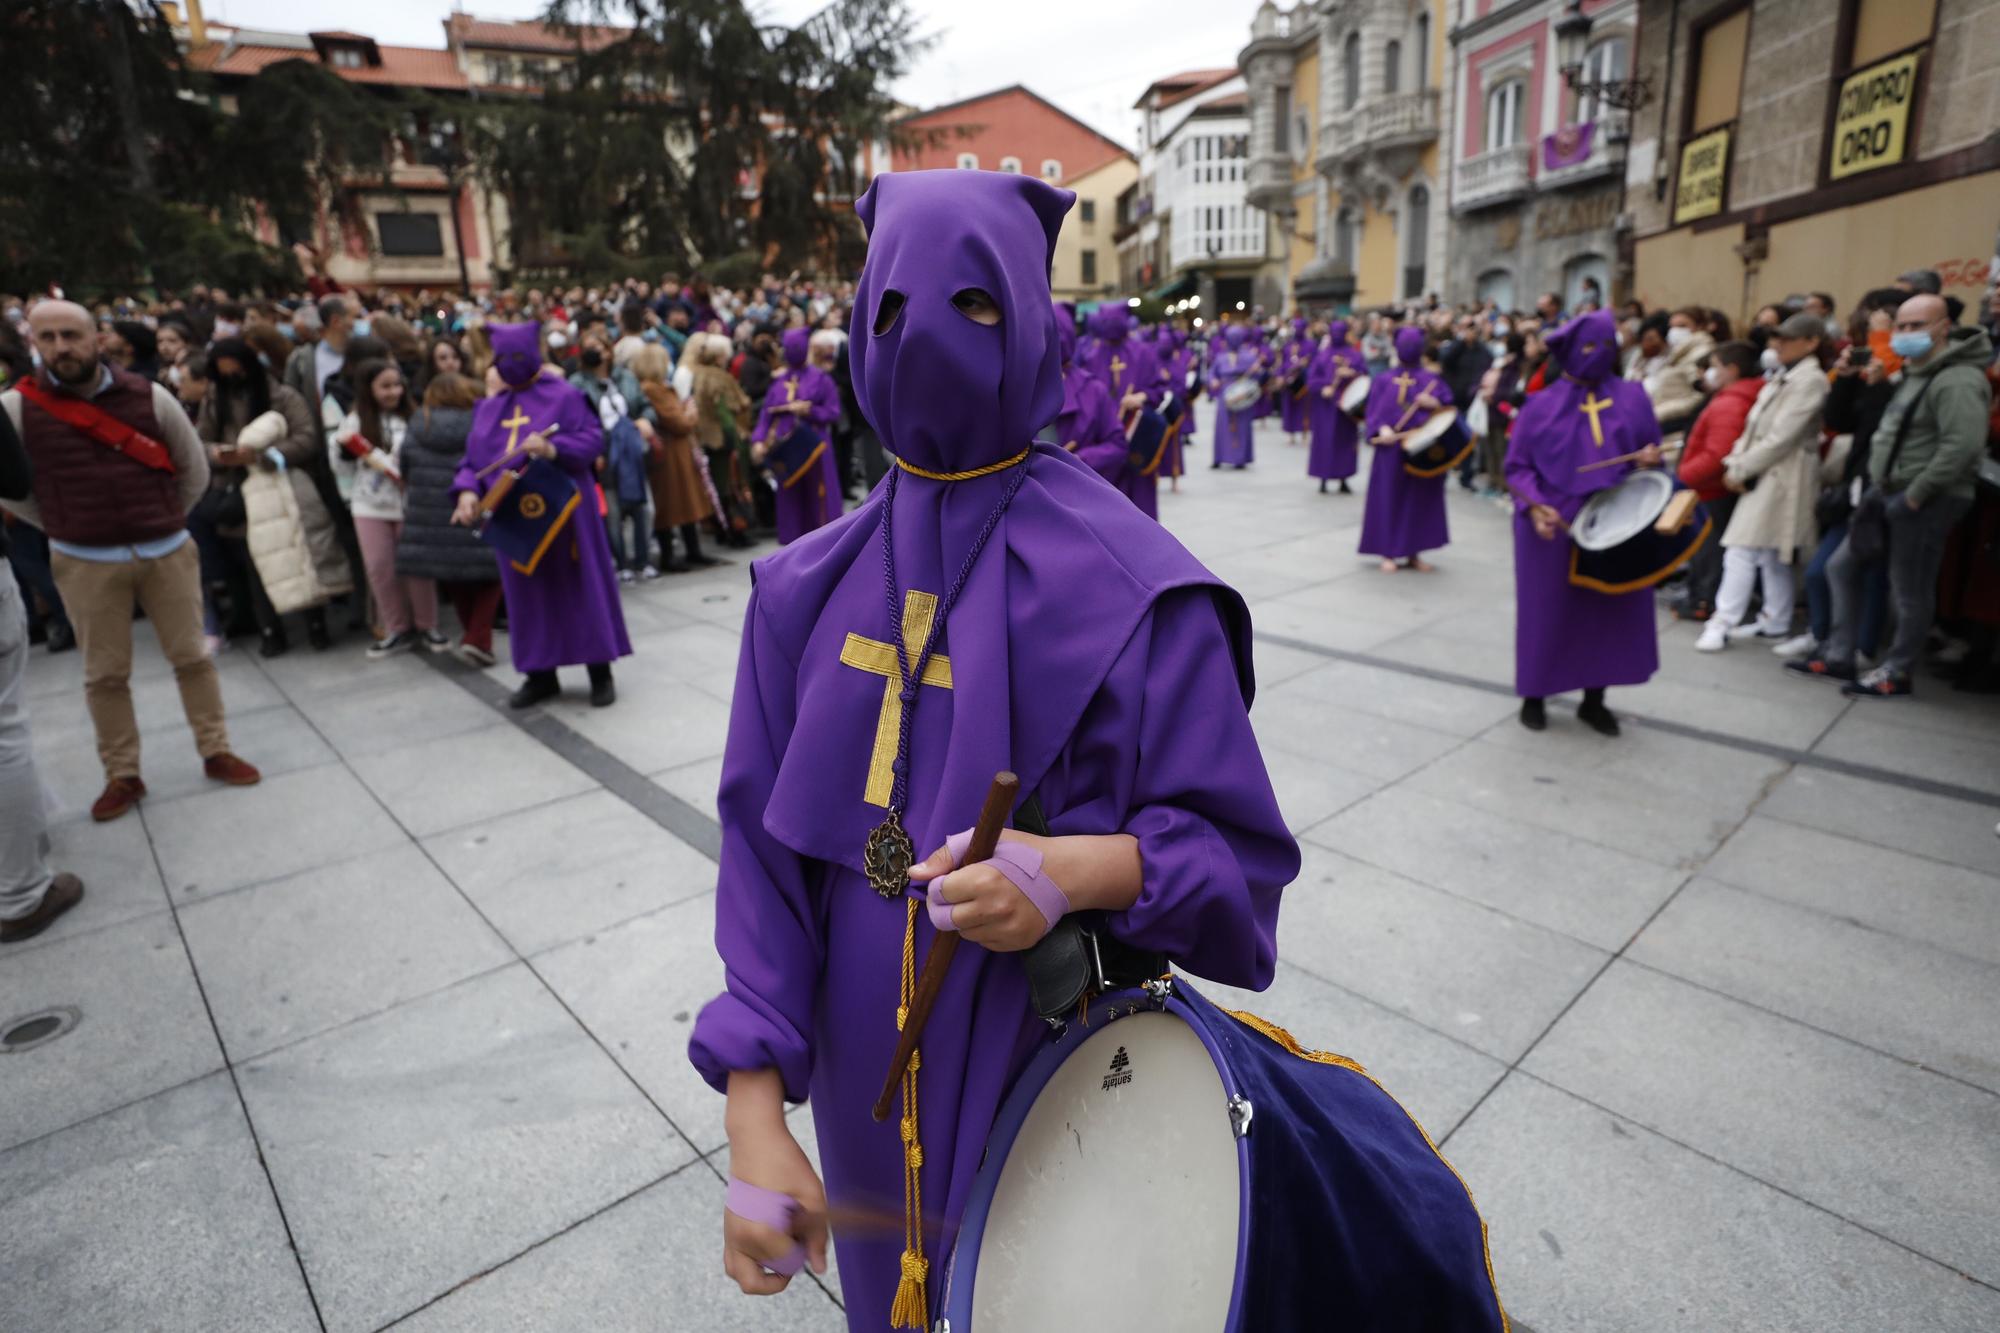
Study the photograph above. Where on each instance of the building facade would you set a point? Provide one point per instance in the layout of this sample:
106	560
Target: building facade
1189	231
1012	129
1814	145
1281	67
1537	185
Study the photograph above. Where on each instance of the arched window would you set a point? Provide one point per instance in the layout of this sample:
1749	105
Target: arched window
1506	106
1417	240
1011	165
1051	170
968	161
1350	71
1423	71
1392	67
1606	63
1496	285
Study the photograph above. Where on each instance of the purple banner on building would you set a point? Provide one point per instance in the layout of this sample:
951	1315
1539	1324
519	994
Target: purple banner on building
1567	147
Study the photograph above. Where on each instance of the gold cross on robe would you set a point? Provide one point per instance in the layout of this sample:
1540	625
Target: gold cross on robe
879	658
791	391
1594	405
513	425
1403	383
1117	372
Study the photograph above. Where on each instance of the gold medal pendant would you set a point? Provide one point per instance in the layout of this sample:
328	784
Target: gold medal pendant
888	856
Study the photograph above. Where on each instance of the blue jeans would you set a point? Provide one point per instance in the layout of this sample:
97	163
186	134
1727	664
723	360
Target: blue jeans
636	554
28	552
1819	595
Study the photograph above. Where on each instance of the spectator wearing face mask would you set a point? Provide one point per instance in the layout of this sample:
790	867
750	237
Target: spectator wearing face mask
1733	381
1923	457
1772	470
1676	387
1648	354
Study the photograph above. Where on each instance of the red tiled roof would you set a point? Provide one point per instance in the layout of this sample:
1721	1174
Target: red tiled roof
527	34
1221	105
343	37
1179	87
402	66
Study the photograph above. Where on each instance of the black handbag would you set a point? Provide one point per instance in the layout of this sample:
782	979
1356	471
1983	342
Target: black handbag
1868	527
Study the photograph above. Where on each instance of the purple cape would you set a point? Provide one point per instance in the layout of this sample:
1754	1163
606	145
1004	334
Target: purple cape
1088	652
813	498
1333	453
1566	637
1405	515
567	612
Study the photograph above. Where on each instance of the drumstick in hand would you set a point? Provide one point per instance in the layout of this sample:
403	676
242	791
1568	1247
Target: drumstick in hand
985	837
1612	462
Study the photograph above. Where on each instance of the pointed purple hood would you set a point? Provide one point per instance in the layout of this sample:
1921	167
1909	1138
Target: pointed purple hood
517	351
1586	347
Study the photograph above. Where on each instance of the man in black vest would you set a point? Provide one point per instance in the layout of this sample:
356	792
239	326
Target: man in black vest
116	468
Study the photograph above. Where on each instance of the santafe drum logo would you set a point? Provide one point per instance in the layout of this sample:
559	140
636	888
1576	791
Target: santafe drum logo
1121	1071
1872	117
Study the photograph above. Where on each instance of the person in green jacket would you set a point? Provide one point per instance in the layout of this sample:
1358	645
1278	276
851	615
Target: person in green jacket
1924	455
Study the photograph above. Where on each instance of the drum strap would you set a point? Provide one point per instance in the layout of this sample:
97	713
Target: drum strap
1078	958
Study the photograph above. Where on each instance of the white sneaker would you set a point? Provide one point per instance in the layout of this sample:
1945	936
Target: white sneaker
649	573
1799	645
1758	629
624	576
1714	638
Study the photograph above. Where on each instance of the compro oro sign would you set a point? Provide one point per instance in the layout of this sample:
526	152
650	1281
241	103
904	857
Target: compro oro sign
1872	118
1704	171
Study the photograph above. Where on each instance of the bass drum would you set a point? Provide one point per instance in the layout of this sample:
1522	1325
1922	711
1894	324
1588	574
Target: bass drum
1354	398
1176	1168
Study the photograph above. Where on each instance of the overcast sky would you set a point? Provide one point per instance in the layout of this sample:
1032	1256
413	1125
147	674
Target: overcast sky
1091	57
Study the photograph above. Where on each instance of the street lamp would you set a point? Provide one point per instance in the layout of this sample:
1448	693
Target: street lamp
447	154
1573	49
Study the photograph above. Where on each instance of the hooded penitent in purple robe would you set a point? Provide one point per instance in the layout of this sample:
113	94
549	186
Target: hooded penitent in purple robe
1236	360
1123	362
1088	426
1566	637
1088	652
1173	379
566	613
1297	353
1405	514
1335	438
812	497
1267	364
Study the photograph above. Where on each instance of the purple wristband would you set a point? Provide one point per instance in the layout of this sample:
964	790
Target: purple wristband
754	1203
1022	865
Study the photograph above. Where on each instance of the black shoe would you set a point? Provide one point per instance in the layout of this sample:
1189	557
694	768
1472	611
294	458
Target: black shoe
1345	489
538	686
1818	668
1534	715
64	892
603	692
61	636
316	634
274	644
1598	718
1322	488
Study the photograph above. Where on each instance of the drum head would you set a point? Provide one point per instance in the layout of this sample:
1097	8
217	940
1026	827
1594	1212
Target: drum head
1119	1200
1354	398
1243	393
1433	430
1619	513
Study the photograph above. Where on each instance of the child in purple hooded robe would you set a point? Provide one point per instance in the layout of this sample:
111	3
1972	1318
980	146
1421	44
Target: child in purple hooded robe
1087	424
1335	439
1567	637
1405	515
801	392
1075	644
1296	355
1235	361
566	613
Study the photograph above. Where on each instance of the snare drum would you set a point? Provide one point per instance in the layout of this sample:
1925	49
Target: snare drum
1437	446
1173	1167
1242	395
1632	534
1354	398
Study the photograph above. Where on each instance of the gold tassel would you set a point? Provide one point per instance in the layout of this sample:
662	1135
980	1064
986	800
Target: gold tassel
911	1307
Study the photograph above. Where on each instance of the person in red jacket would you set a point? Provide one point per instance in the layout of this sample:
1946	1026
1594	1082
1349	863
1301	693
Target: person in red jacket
1734	379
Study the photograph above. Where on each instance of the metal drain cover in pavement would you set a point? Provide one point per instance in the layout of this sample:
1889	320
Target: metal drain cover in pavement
38	1029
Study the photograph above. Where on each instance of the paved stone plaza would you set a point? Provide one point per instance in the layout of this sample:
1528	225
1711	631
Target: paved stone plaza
1706	1016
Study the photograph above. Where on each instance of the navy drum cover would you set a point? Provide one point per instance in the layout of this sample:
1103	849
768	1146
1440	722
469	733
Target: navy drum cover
1144	440
1442	454
1643	559
788	459
1353	1220
532	514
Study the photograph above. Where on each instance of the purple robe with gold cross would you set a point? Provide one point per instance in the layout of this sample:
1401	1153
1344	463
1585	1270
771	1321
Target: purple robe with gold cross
1405	515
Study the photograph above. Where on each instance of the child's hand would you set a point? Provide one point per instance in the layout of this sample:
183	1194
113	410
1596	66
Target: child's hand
763	1152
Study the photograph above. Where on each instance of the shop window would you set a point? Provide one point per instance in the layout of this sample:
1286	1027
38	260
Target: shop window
1718	72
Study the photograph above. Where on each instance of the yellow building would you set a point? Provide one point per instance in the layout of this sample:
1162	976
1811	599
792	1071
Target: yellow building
1086	259
1359	88
1814	145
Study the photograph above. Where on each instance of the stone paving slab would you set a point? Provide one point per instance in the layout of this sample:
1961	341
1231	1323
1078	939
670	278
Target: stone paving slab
140	1028
1897	1149
1961	832
423	1146
120	878
156	1216
505	771
232	837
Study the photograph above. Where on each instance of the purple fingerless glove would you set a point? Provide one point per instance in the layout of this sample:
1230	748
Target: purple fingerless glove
770	1208
1022	865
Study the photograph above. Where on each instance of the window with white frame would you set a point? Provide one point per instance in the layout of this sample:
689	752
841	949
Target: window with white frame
1506	109
1606	62
968	161
1051	169
1011	165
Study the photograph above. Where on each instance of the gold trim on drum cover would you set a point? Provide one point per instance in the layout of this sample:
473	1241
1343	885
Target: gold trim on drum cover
1614	589
1457	458
1291	1044
556	525
1166	438
812	460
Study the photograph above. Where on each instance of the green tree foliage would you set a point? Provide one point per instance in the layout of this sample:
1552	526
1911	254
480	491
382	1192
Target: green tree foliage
121	169
703	133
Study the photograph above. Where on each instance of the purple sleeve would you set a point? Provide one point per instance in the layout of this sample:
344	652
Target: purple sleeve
826	401
1100	440
1319	372
1524	479
766	927
1165	752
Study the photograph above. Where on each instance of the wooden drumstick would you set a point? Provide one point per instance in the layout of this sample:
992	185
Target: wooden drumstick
1613	462
545	432
1000	799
